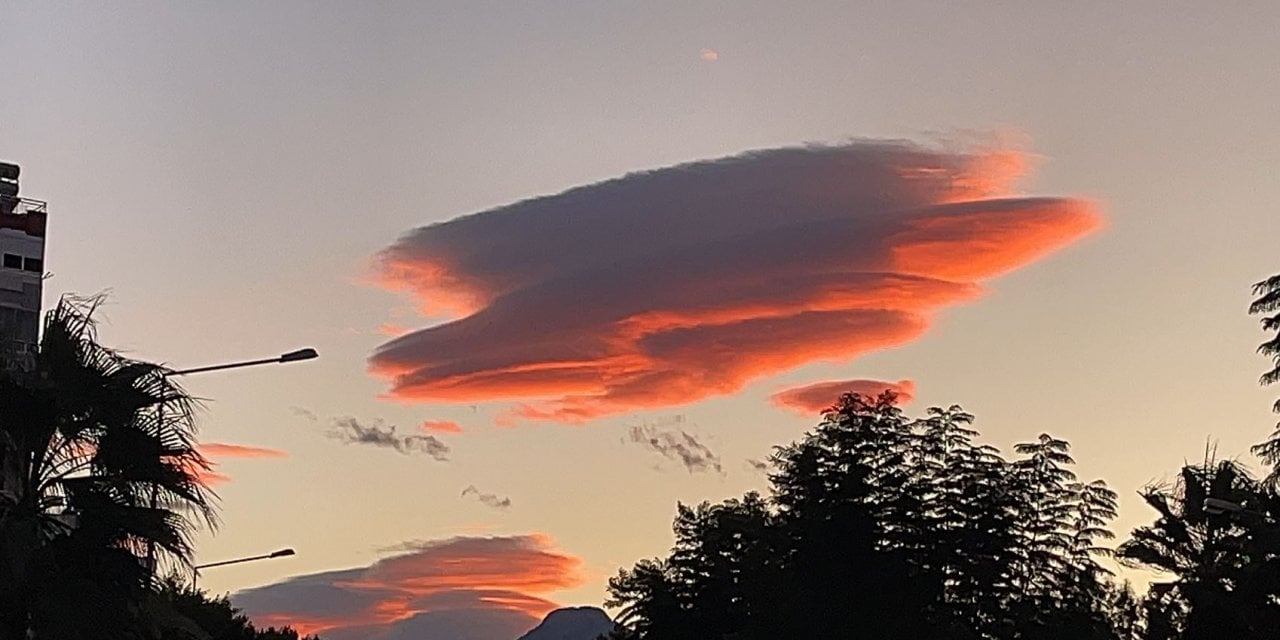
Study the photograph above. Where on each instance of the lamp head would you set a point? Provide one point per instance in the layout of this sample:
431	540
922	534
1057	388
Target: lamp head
299	355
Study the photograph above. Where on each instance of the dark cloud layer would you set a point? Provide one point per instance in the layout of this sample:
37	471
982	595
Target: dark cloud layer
377	434
464	588
664	287
813	399
487	499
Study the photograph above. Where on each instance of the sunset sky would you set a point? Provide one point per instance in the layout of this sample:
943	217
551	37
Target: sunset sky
1049	213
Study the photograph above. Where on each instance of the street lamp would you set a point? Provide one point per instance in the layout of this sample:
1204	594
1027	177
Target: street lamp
1218	506
285	358
281	553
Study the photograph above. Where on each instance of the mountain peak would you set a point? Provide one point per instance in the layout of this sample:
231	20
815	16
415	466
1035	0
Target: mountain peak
572	623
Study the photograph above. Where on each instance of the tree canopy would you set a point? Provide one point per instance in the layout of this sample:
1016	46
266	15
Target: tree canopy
879	525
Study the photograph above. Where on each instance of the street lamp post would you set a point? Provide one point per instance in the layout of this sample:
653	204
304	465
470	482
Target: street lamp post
281	553
1218	506
285	358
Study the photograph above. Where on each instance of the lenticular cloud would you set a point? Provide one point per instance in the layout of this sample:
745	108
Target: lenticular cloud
664	287
813	399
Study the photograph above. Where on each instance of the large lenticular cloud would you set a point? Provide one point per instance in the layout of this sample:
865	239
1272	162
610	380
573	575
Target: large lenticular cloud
665	287
463	587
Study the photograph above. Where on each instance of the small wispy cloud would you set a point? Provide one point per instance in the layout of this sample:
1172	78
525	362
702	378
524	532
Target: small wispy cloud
210	478
758	465
307	414
215	452
379	434
487	499
710	55
393	330
224	450
676	445
440	426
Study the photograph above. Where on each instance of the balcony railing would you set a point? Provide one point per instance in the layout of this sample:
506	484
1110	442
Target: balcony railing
21	206
23	214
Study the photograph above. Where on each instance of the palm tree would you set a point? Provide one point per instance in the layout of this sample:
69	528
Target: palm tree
1224	566
1267	304
97	466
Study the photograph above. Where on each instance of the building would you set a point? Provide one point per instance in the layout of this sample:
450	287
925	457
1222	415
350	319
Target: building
22	227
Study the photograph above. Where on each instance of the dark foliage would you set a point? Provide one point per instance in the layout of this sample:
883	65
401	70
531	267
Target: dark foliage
882	526
98	468
178	611
1224	566
1267	304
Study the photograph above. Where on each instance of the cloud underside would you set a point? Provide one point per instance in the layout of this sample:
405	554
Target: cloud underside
662	288
460	588
815	398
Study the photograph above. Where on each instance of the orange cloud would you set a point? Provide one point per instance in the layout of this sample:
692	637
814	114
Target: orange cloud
816	398
210	478
222	450
440	426
665	287
489	581
709	55
392	330
211	451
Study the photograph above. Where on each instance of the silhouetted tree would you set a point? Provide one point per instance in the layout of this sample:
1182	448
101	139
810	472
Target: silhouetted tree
86	440
853	516
1267	304
714	582
1224	565
881	526
179	611
1125	614
1060	584
977	508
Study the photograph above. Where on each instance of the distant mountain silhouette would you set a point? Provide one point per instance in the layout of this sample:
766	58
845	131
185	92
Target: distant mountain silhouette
572	623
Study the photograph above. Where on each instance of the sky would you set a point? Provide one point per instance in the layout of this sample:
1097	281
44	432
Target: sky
536	337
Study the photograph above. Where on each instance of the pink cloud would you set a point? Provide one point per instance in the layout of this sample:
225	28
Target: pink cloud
666	287
392	330
210	478
814	398
222	450
440	426
213	451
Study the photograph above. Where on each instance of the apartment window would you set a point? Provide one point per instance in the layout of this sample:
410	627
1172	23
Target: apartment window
33	264
12	261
